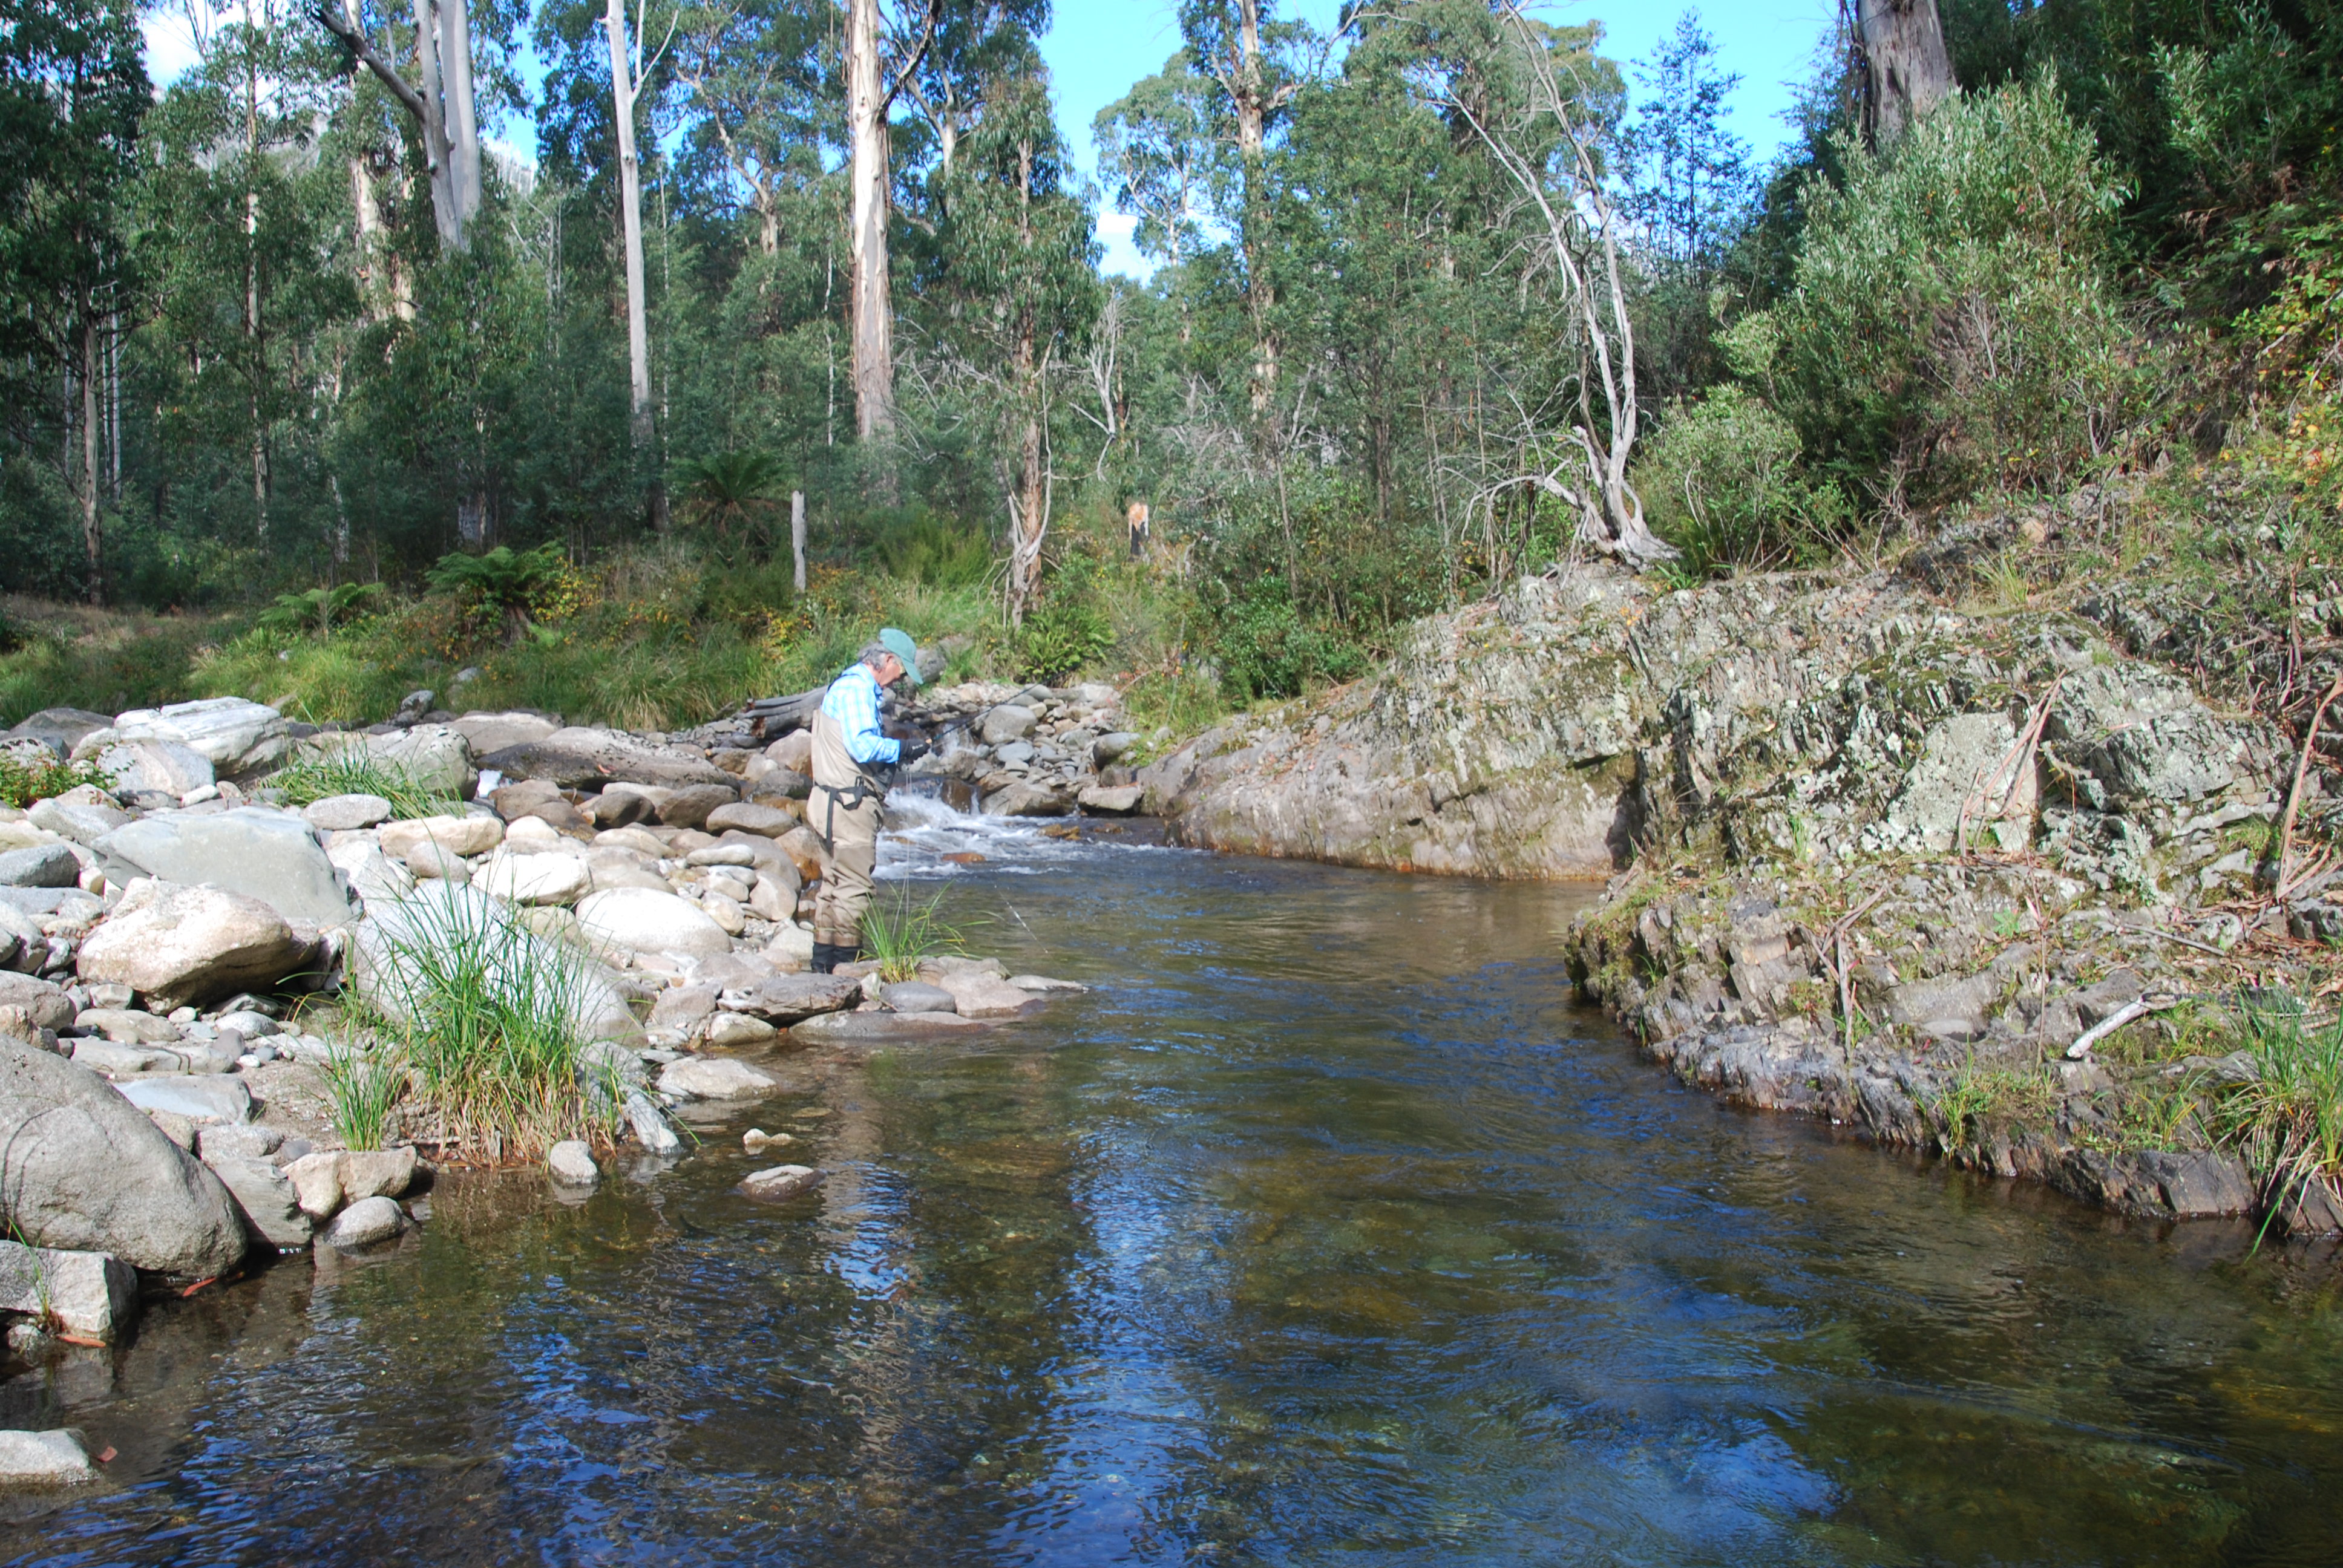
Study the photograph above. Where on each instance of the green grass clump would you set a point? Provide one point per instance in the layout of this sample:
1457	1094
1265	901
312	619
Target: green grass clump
900	931
486	1020
365	1088
24	779
317	775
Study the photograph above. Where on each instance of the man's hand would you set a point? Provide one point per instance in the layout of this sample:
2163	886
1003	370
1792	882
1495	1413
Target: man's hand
912	751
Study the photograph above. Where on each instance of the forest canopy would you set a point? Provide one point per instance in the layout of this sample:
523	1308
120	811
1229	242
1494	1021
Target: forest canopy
1446	297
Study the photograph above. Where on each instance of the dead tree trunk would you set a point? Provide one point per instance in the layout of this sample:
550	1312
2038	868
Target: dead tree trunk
1906	70
1581	244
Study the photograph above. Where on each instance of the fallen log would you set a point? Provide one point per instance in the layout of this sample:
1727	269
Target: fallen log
770	717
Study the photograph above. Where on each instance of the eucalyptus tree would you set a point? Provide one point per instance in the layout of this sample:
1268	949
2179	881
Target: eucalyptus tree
442	97
1542	107
1254	64
1012	282
1908	71
1155	143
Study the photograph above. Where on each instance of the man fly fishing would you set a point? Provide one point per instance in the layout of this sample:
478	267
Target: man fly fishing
850	753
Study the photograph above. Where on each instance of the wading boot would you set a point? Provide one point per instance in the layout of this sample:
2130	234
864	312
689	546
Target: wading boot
824	958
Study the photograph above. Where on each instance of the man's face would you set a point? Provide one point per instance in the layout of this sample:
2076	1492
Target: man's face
890	670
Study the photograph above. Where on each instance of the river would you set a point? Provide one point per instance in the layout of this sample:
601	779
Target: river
1325	1229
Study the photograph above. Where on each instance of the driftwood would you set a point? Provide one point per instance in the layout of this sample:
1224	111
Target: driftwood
770	717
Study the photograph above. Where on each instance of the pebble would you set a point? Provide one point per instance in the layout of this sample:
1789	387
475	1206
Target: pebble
571	1163
756	1138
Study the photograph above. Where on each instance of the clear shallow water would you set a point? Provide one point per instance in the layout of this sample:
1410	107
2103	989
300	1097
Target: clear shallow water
1324	1229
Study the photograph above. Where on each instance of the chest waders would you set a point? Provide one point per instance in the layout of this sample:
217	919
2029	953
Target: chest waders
844	812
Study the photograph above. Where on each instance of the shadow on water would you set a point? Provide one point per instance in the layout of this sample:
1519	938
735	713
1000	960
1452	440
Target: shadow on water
1325	1227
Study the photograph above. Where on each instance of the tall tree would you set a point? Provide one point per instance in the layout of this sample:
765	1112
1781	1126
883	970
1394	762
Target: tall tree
441	100
73	91
1527	111
1155	143
1246	54
1692	176
882	51
626	90
1906	70
1015	252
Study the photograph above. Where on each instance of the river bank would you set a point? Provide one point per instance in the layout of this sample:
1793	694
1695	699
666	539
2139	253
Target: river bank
1868	857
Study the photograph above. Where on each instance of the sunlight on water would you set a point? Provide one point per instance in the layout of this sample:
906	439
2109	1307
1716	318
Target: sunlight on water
1325	1228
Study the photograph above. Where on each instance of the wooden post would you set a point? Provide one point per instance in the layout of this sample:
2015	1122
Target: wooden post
797	534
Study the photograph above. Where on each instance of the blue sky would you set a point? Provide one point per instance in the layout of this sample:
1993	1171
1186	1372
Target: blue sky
1098	48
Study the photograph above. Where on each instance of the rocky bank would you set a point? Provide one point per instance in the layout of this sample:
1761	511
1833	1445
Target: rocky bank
1867	856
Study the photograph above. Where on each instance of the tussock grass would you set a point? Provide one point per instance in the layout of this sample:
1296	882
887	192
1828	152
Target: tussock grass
899	932
2288	1123
318	775
487	1021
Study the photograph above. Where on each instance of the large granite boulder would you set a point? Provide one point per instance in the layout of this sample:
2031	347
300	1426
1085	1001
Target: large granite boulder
84	1170
239	738
160	767
255	850
177	946
437	757
59	729
641	921
492	732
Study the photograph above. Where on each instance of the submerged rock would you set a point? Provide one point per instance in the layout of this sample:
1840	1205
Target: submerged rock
368	1223
571	1163
715	1077
45	1459
780	1183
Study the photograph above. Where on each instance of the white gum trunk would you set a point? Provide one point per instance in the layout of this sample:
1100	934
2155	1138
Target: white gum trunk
869	290
631	203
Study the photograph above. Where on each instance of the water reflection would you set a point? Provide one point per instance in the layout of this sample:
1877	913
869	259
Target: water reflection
1323	1229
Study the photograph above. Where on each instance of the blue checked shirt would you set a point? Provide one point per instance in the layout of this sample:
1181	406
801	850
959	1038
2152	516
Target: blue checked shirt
854	701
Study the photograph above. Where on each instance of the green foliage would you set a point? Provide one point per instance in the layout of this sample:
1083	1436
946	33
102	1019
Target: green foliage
925	548
317	774
1267	649
737	491
26	776
319	609
1721	481
515	581
901	930
1954	323
364	1088
2288	1123
1065	634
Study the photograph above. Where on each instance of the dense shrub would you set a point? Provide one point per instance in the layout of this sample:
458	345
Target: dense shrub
1953	322
1721	481
1266	648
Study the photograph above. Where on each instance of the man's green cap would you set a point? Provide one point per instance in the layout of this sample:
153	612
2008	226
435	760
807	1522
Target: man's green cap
900	645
